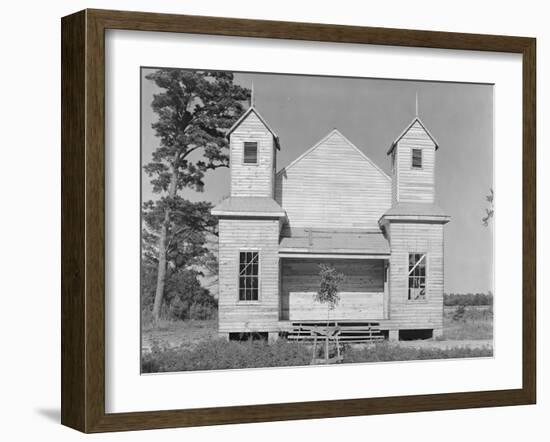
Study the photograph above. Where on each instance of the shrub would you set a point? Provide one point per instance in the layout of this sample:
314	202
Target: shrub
454	299
184	296
459	313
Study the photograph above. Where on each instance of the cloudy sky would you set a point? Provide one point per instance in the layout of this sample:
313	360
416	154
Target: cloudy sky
372	113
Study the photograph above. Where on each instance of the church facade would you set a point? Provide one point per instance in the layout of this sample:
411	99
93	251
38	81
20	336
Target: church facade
331	205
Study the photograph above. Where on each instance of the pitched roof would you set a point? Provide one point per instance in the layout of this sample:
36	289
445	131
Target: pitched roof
250	110
318	240
249	206
415	209
322	141
402	134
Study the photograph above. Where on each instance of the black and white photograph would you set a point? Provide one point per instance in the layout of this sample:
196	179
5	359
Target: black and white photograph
294	220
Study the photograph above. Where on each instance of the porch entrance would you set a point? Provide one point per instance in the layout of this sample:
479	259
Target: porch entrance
362	296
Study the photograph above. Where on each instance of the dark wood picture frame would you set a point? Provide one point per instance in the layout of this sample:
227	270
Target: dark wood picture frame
83	220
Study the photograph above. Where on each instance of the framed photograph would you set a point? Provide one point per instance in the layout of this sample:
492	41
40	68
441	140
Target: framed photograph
267	221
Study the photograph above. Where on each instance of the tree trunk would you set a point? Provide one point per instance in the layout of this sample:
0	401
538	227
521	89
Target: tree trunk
161	273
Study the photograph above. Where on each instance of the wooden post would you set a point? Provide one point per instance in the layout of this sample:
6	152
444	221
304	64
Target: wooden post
386	289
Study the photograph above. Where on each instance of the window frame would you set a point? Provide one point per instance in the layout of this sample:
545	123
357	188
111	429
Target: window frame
248	301
417	277
413	150
255	163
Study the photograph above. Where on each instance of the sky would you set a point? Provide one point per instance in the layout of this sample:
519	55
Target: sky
371	113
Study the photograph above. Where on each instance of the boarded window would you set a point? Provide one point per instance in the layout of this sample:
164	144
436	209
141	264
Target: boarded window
248	276
417	158
417	276
250	152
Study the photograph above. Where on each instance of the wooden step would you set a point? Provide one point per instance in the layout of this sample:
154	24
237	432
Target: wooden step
344	332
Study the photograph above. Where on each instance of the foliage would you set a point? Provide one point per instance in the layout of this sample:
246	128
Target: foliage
489	211
195	109
475	323
459	313
187	232
453	299
330	280
185	298
218	354
385	351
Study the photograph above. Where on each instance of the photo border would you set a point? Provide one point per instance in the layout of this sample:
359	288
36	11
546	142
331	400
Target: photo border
83	220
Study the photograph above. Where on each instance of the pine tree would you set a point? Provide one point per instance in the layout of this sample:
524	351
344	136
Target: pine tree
195	109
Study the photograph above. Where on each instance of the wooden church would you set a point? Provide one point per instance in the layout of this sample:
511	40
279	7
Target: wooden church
331	205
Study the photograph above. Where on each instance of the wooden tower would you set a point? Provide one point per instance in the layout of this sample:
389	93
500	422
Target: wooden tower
414	228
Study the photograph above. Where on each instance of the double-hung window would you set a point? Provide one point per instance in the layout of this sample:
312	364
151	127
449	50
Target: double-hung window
417	276
250	152
249	266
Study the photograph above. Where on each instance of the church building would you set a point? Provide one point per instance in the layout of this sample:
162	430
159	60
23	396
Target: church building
331	205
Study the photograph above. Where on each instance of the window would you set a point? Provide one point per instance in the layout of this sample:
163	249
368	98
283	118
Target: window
250	152
417	158
248	276
417	276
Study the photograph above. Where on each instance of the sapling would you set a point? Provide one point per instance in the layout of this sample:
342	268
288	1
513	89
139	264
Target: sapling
328	293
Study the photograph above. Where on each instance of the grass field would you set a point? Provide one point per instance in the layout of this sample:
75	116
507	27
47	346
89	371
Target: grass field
194	345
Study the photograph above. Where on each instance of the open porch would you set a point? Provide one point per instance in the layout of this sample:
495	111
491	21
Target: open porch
363	258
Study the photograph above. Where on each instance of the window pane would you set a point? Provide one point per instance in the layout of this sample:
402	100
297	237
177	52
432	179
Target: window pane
250	152
248	276
417	158
417	276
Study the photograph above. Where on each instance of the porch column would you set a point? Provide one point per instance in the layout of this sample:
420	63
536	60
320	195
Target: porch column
386	289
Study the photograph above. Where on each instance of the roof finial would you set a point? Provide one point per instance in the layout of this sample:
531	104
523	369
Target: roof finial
252	95
416	108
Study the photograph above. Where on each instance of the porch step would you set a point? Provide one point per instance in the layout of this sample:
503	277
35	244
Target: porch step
348	332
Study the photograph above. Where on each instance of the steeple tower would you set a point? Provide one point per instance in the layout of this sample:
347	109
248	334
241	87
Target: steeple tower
253	155
413	164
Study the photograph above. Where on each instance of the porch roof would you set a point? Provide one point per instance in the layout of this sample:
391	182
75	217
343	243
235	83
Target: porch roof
249	206
334	241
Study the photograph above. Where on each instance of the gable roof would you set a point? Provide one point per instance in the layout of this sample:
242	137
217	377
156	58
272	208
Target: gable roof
250	110
322	141
402	134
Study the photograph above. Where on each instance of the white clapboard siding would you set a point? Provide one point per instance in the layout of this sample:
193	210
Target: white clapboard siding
407	238
351	306
252	179
413	185
333	185
248	234
302	275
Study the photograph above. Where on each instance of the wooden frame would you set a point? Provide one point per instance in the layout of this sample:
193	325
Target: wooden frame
83	220
250	301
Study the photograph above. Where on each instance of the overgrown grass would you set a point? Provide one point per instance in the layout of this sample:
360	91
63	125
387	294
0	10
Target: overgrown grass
467	323
218	354
385	351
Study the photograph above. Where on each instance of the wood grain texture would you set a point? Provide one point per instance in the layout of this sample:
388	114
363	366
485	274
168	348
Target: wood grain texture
252	179
83	149
236	235
73	127
334	185
420	238
362	306
413	185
